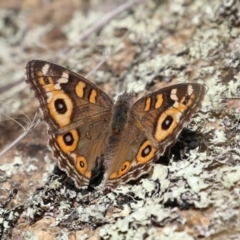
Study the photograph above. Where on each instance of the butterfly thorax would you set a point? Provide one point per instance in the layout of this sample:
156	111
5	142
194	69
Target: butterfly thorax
120	114
119	121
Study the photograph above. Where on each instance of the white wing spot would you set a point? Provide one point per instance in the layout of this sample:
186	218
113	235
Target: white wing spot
176	105
173	95
177	117
64	78
49	96
190	90
146	151
45	69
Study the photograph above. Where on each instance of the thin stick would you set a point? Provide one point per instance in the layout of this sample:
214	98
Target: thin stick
99	24
30	128
95	68
27	122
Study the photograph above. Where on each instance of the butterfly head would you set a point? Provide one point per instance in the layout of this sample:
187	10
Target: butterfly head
125	97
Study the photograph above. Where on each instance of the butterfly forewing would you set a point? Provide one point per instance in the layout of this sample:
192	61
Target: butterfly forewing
162	114
65	97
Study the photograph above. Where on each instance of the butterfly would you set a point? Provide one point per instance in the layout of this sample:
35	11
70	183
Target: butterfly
91	136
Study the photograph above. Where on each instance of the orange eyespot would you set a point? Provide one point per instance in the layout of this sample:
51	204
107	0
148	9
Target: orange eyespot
146	152
60	107
167	123
123	170
81	164
188	100
68	141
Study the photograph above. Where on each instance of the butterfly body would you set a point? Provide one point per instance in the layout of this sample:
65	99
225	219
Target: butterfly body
120	116
88	132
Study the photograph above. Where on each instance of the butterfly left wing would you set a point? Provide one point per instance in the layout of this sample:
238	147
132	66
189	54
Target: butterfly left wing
77	114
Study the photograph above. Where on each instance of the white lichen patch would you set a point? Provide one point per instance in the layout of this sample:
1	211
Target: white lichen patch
29	236
219	137
73	28
229	176
12	168
171	233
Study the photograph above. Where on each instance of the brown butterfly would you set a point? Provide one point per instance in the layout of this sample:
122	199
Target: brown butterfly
88	133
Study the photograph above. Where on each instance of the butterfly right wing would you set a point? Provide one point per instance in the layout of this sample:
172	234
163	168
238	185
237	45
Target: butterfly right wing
162	114
154	123
77	114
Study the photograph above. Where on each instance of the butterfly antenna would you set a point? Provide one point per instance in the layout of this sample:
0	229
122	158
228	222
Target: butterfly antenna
112	71
28	121
150	79
105	58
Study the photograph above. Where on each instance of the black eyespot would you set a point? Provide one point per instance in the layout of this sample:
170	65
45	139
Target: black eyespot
82	164
60	106
123	167
186	100
68	139
46	80
146	151
167	122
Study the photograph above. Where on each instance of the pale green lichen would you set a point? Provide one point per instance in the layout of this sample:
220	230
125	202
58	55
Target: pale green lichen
73	28
29	236
229	176
12	168
171	233
219	137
